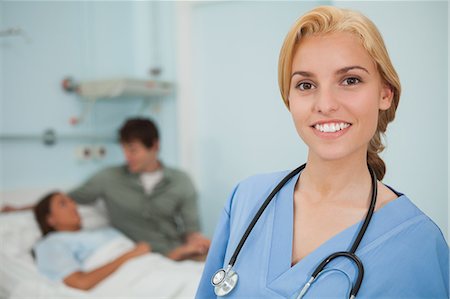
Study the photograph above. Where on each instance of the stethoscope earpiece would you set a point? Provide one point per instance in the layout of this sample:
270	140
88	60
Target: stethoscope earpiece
224	281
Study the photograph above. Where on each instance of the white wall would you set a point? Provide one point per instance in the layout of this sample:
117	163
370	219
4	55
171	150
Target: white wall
241	126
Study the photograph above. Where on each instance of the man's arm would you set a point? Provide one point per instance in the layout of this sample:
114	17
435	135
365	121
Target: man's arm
188	251
195	244
9	208
87	280
198	238
90	190
188	208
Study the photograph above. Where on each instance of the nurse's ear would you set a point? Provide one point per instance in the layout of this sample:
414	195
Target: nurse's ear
386	96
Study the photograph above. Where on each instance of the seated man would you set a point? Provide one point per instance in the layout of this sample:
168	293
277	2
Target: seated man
145	199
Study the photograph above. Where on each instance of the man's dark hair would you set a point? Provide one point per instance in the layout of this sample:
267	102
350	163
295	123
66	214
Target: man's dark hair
139	129
41	212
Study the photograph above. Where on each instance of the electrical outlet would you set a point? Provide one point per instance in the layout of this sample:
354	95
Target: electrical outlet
83	153
98	151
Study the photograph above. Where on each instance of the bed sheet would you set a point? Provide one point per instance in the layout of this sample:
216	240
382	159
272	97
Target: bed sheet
149	276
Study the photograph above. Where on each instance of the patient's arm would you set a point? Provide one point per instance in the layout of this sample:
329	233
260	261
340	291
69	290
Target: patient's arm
87	280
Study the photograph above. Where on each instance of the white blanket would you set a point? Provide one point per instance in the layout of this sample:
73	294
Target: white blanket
148	276
151	275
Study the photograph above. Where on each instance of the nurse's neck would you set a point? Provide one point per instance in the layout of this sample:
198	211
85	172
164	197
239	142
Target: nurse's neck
335	180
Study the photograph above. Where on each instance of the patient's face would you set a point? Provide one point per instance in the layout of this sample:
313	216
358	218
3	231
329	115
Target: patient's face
64	214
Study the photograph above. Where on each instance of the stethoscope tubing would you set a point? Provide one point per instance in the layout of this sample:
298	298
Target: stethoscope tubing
370	211
347	254
351	253
261	210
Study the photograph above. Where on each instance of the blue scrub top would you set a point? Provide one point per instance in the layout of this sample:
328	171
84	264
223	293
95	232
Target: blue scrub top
403	251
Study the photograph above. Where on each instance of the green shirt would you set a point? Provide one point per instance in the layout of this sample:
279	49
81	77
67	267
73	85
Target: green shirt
161	218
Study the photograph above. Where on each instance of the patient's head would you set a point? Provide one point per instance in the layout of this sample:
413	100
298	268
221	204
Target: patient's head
57	212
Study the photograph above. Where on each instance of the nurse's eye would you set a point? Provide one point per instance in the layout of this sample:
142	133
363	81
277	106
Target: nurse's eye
351	81
305	86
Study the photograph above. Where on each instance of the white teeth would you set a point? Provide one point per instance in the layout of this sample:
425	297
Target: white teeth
331	127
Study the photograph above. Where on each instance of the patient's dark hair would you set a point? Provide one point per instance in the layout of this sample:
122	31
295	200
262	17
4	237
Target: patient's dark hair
139	129
42	210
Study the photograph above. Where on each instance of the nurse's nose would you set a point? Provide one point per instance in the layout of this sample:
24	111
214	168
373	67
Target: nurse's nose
326	101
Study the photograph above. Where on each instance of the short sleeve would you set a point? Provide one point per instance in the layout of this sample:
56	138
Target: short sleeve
55	259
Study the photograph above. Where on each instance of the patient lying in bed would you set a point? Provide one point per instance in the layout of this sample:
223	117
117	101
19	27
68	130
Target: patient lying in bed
87	259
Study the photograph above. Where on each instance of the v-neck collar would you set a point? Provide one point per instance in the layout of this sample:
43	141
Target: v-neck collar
280	273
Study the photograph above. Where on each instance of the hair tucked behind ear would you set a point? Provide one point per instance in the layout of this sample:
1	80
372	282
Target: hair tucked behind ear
329	19
42	211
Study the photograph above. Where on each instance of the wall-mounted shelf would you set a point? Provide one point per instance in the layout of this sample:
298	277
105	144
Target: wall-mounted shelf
118	88
49	137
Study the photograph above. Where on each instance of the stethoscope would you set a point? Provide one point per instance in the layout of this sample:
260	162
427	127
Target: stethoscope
225	279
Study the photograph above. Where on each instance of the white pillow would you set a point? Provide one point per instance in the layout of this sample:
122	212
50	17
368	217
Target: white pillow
19	231
93	216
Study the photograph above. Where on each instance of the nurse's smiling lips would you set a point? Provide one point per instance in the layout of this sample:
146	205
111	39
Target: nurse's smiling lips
330	129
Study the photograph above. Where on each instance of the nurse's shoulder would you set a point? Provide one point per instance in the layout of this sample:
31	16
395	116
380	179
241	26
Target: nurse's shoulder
251	192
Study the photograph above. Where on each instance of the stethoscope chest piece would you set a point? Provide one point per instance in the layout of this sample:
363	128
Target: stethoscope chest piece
224	281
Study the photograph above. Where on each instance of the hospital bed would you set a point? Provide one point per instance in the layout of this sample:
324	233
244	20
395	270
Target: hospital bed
149	276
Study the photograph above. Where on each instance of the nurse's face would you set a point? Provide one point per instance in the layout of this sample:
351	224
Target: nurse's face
335	95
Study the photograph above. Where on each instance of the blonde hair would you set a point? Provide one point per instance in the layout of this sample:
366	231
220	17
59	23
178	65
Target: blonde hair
329	19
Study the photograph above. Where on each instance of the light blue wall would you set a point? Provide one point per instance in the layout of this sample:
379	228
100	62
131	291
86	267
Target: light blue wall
86	40
1	103
242	125
416	35
243	128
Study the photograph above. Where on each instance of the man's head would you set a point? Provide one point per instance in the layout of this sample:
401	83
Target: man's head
139	138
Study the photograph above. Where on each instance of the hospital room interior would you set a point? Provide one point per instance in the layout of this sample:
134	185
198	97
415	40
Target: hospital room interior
206	73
